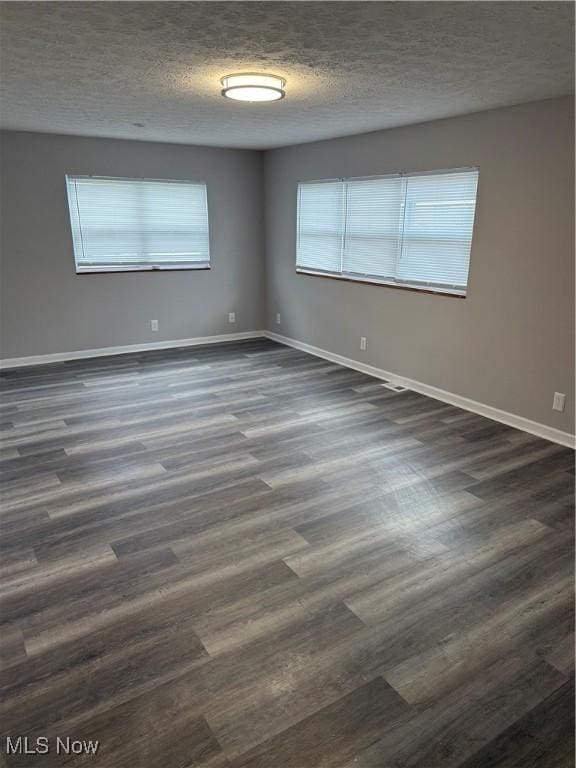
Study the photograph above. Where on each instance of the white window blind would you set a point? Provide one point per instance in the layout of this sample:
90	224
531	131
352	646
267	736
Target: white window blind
437	232
135	224
373	221
404	229
321	225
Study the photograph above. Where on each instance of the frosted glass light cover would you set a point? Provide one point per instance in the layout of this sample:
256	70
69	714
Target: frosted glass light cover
253	87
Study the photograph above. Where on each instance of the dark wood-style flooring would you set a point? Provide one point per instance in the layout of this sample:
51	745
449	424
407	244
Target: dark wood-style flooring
242	556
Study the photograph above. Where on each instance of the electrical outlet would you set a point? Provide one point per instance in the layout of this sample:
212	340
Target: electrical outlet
154	325
231	317
363	343
277	318
559	401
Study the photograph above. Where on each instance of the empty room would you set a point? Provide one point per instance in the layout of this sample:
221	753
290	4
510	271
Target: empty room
287	384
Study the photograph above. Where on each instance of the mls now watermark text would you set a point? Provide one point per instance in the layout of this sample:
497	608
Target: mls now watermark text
43	745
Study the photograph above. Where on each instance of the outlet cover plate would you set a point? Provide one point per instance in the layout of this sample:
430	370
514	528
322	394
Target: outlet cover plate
559	401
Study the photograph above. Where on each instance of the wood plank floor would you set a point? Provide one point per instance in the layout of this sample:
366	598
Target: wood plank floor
242	556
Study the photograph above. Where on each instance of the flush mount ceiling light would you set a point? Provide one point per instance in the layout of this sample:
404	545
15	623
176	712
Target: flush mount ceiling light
250	86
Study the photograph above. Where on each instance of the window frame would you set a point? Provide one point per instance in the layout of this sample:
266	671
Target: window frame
435	289
135	268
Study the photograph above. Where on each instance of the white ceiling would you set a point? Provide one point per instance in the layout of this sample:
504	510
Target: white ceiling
98	68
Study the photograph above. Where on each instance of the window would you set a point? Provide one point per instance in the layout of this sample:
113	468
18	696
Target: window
411	230
124	225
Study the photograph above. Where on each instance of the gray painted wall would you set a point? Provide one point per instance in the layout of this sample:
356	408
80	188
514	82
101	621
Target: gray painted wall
510	343
47	308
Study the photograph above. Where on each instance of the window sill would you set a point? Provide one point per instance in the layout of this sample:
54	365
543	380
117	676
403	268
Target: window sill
367	281
113	271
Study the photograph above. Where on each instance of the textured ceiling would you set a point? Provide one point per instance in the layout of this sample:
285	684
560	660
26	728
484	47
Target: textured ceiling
98	68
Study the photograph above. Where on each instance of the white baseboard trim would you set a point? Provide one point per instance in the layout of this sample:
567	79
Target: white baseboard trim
504	417
58	357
